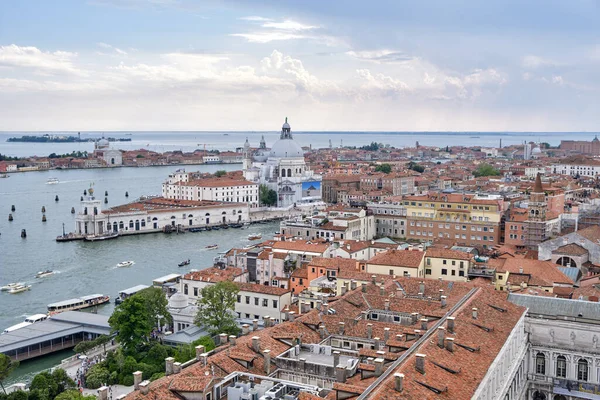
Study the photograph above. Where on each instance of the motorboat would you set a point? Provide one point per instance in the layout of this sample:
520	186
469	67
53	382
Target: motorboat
254	236
184	263
4	175
52	181
105	236
45	273
8	287
125	264
216	228
195	230
78	303
212	246
19	289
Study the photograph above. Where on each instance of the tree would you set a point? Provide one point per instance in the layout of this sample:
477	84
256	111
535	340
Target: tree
415	167
7	366
220	173
73	395
374	146
267	196
385	168
486	170
156	304
215	308
132	323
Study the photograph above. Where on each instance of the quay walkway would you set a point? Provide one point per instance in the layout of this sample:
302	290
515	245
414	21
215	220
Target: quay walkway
60	331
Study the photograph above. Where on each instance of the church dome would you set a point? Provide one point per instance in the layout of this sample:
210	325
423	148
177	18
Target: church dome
178	300
286	148
103	143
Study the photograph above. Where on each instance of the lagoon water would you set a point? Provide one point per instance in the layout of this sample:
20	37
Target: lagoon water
190	141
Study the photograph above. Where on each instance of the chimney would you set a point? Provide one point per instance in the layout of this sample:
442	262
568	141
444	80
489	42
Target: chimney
474	312
103	393
441	335
363	286
441	292
232	339
305	307
399	337
386	334
256	344
169	365
352	284
322	331
381	290
199	351
336	358
450	324
369	331
424	324
450	344
325	308
176	367
319	305
378	366
377	343
373	279
422	287
443	299
340	373
245	329
302	364
420	363
255	325
145	387
387	305
267	354
137	379
398	382
222	338
417	333
266	321
341	328
344	289
292	316
204	359
520	270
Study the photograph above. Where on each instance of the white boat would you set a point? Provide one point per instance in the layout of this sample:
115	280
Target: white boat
52	181
254	236
78	303
19	289
125	264
45	273
105	236
6	288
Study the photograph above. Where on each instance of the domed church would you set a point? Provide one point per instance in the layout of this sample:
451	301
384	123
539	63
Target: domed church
283	169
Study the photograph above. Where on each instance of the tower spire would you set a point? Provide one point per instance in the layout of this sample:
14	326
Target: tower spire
537	187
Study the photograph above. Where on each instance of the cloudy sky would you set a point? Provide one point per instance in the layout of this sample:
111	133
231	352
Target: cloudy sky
447	65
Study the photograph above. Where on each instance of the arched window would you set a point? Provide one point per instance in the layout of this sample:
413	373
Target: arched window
131	223
566	262
173	217
95	210
207	215
582	370
224	212
185	289
289	172
540	364
283	172
561	367
539	395
84	210
108	226
120	224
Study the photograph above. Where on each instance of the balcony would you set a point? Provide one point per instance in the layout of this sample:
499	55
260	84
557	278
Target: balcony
482	272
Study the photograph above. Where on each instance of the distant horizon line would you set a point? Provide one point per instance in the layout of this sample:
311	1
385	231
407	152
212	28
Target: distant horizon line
317	132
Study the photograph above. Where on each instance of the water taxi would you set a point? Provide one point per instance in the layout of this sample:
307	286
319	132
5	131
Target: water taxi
212	246
254	236
28	321
19	289
125	264
124	294
52	181
45	273
6	288
105	236
77	303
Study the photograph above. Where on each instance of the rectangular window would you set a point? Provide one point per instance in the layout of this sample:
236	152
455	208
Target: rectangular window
248	316
444	271
247	299
196	291
453	272
461	273
428	271
444	262
274	303
391	272
256	301
239	298
265	303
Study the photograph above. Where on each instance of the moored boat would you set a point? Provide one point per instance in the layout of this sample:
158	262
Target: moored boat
6	288
78	303
254	236
19	289
105	236
45	273
212	246
125	264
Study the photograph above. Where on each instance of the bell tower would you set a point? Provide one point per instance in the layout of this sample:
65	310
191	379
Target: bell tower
537	202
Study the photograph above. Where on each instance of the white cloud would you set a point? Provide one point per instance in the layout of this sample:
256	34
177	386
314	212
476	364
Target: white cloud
115	50
534	62
288	25
558	80
39	61
266	37
273	31
379	56
381	82
254	18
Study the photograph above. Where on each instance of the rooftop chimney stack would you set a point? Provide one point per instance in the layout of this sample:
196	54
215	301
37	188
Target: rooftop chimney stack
336	358
399	337
398	382
137	379
340	373
344	289
245	329
204	359
373	279
169	365
322	331
352	284
414	316
450	324
369	331
255	325
266	321
386	334
292	315
103	393
176	367
420	362
422	287
222	338
341	328
145	387
387	305
381	290
441	335
441	291
474	312
443	299
450	344
378	366
267	354
256	344
232	339
363	287
424	322
199	351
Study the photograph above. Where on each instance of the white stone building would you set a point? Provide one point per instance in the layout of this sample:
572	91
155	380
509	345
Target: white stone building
284	170
111	157
578	166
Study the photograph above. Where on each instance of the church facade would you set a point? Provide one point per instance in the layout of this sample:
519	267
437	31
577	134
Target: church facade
283	169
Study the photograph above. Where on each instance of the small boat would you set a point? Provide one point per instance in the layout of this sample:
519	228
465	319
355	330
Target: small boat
4	176
8	287
125	264
52	181
235	225
184	263
19	289
224	226
212	246
45	273
254	236
216	228
208	228
104	236
277	232
195	230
